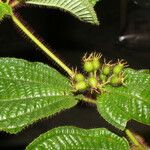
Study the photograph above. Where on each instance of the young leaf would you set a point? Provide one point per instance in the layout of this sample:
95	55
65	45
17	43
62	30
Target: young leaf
82	9
131	101
29	92
5	9
68	137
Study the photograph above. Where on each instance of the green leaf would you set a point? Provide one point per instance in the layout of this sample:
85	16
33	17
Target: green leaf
145	71
5	9
29	92
93	2
132	101
68	137
82	9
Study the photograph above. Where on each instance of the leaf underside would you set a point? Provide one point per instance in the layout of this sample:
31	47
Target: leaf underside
132	101
73	138
93	2
82	9
29	92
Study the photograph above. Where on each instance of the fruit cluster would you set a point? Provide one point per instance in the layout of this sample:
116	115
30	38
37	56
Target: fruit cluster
98	74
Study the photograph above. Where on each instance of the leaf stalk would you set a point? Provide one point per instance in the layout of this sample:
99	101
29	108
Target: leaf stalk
134	140
88	100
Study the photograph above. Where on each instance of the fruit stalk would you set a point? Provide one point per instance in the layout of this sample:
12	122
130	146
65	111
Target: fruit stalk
41	45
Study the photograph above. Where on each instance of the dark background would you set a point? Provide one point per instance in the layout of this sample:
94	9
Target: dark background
70	39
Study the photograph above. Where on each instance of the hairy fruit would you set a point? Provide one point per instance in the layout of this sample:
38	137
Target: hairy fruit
102	77
88	66
81	86
96	63
92	82
116	80
118	68
79	77
106	69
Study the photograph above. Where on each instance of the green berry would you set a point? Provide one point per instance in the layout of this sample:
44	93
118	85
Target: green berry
106	70
102	77
92	82
81	86
96	64
88	66
116	80
79	77
118	68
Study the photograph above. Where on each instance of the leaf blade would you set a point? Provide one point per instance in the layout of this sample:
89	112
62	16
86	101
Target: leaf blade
29	92
131	101
93	2
82	9
69	137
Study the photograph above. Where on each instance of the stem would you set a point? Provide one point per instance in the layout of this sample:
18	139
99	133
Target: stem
95	72
7	1
14	3
41	45
88	100
133	139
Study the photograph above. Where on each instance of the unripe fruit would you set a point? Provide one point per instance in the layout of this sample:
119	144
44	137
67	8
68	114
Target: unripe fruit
79	77
92	82
96	63
88	66
102	77
81	86
118	68
116	80
106	70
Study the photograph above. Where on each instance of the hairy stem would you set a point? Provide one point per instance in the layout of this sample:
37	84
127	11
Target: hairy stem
41	45
88	100
134	140
14	3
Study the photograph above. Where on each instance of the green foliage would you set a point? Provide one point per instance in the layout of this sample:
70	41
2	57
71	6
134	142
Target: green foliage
131	101
82	9
29	92
64	138
5	9
93	2
145	71
32	91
